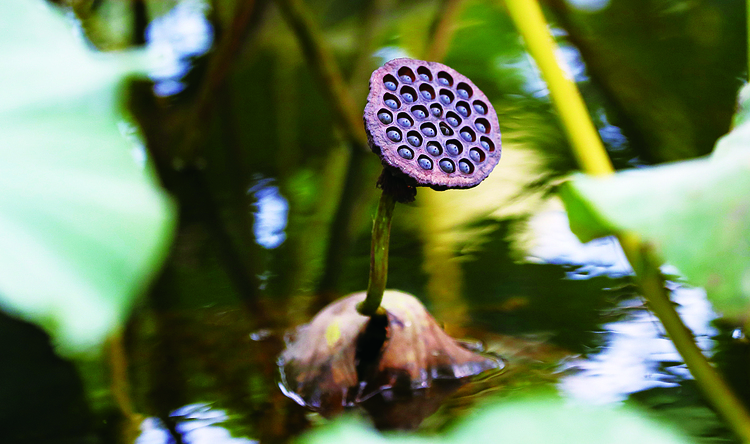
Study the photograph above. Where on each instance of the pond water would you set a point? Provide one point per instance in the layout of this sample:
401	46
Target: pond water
565	318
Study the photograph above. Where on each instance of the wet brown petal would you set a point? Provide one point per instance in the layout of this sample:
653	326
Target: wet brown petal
337	360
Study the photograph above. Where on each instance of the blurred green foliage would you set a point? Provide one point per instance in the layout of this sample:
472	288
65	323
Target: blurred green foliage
536	421
83	222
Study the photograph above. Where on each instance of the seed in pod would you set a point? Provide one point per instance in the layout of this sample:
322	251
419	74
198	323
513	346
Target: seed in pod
453	148
385	117
450	137
447	166
406	153
463	109
419	112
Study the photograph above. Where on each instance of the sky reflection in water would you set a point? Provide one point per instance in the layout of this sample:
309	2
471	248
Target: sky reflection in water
637	355
271	214
197	424
173	40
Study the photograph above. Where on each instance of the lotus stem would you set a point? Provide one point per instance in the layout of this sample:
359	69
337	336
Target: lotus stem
381	235
593	159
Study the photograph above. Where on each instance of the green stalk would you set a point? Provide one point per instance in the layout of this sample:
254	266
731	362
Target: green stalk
593	159
381	235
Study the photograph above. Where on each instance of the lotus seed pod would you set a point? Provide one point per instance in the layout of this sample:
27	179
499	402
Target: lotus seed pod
451	129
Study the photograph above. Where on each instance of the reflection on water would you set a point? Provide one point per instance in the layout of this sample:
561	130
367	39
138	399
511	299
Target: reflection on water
554	243
271	210
610	134
589	5
636	354
173	40
196	424
388	53
570	61
131	134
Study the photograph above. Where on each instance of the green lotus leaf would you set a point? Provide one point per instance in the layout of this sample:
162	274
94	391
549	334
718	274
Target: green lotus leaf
83	222
695	213
530	421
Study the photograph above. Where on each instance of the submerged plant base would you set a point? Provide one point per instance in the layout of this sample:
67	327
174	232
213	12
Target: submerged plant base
391	365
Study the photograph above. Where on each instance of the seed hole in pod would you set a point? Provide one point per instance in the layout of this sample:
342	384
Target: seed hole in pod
487	144
452	119
405	152
446	97
406	75
391	101
480	107
390	82
434	148
428	92
464	91
408	94
419	111
453	147
425	162
424	74
465	166
393	134
414	138
476	155
436	110
445	79
385	116
404	120
482	125
468	134
428	129
447	165
445	129
463	108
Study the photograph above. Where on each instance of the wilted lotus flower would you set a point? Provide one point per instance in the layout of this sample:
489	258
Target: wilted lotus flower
342	358
430	126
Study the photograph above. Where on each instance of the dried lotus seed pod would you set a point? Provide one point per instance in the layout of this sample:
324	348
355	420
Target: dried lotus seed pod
432	124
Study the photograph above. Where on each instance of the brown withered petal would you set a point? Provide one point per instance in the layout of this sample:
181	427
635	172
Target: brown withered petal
336	360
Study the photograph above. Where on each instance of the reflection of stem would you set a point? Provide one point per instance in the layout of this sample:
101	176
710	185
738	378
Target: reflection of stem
442	30
218	70
593	159
365	42
652	284
342	101
118	363
325	69
381	235
340	230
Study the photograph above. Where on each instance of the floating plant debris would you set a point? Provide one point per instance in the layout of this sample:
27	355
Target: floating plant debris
453	101
342	359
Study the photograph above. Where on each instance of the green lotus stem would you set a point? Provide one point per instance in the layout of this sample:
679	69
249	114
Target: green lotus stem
593	159
584	139
381	235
